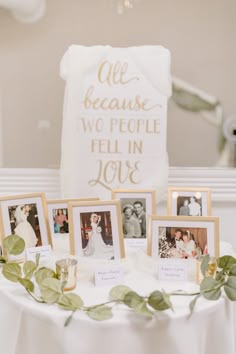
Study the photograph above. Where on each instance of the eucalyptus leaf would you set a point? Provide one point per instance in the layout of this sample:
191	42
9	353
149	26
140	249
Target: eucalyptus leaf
14	244
71	302
204	264
133	300
157	300
29	268
143	309
100	313
232	270
230	288
226	262
193	303
191	101
27	284
50	289
220	276
209	288
2	259
44	273
118	293
11	271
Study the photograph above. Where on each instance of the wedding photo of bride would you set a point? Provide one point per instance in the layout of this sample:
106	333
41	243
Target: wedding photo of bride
24	223
96	233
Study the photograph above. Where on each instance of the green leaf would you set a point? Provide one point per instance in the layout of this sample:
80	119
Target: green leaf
207	288
71	302
51	290
232	270
14	244
27	284
157	300
193	303
226	262
2	259
29	268
220	276
12	271
44	273
204	264
133	300
100	313
230	288
191	101
118	292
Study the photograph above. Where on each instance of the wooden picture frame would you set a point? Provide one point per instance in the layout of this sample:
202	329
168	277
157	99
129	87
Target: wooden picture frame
59	226
138	204
96	229
26	216
163	239
189	201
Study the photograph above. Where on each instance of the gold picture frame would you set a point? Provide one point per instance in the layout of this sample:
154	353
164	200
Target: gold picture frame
163	239
189	201
25	215
145	200
96	229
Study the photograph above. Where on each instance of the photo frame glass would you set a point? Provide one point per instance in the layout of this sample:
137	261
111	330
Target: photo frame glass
183	239
96	230
135	205
59	222
189	202
26	217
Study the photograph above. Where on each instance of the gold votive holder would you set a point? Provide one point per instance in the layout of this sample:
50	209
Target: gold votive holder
210	271
66	270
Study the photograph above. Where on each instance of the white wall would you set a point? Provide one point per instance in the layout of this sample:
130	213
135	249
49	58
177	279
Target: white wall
200	35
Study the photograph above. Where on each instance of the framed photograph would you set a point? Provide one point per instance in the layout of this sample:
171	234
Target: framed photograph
59	222
135	206
183	237
25	216
189	201
96	229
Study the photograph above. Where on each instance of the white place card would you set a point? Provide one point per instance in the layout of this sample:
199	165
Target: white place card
136	243
44	251
172	269
108	275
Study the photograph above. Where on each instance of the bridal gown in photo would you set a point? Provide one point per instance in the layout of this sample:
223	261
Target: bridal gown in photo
96	247
24	229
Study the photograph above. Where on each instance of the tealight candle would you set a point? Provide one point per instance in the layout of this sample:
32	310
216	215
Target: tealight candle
66	270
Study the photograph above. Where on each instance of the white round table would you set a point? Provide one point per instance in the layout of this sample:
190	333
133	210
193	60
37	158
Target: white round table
27	327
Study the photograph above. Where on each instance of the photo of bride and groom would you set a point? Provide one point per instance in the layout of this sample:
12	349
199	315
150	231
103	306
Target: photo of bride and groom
190	206
182	242
96	235
24	223
133	218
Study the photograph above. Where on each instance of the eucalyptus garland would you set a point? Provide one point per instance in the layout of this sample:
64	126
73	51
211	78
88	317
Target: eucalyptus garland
52	289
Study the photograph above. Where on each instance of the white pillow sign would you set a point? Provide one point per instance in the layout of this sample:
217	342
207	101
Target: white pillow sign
114	121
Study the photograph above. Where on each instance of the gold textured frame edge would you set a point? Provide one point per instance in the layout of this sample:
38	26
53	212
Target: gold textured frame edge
116	203
198	219
25	196
188	189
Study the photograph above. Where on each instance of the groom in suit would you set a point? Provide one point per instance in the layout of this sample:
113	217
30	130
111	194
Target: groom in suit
175	242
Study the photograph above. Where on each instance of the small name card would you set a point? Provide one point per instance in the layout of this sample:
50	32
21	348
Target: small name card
172	269
136	242
108	275
44	251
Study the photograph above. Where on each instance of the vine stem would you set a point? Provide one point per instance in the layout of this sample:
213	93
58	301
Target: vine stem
87	308
34	297
197	293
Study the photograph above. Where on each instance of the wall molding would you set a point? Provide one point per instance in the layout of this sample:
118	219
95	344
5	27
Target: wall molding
222	181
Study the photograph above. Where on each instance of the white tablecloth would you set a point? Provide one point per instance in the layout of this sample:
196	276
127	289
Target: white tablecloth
27	327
